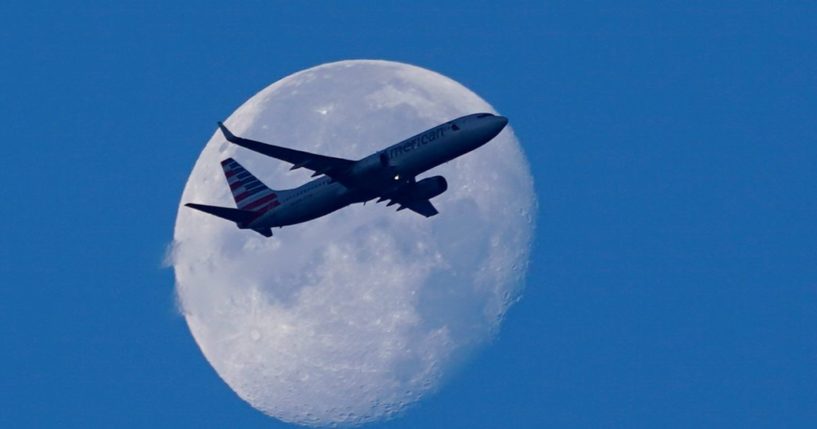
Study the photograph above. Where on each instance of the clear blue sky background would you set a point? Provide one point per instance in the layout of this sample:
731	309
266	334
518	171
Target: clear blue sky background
674	147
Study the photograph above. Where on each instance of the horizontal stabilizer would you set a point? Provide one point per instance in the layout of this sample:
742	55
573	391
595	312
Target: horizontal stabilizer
236	215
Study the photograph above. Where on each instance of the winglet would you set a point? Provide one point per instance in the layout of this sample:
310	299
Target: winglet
229	135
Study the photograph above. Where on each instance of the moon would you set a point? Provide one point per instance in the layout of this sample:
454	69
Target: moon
355	316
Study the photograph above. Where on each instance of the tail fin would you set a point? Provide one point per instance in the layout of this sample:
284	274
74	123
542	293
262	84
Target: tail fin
248	192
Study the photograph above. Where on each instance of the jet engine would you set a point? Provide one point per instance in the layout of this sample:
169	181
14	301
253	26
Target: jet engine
427	188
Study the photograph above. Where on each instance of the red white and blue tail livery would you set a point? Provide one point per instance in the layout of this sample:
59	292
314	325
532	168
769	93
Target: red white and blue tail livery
248	192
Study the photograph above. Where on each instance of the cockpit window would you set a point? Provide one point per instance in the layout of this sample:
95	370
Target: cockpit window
483	115
455	127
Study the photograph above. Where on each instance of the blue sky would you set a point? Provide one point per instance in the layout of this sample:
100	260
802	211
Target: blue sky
673	280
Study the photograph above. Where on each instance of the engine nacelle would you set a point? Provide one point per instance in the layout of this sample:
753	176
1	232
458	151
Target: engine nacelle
427	188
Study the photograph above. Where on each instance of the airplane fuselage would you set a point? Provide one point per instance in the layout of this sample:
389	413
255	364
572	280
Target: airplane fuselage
384	170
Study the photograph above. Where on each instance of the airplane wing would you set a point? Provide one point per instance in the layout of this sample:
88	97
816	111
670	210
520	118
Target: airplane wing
335	168
423	207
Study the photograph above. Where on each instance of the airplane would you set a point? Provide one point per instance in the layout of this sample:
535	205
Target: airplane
388	174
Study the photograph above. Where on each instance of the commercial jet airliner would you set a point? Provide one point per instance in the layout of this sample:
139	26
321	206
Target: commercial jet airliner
389	174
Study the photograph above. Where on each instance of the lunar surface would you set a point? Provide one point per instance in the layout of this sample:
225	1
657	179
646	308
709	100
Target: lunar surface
355	316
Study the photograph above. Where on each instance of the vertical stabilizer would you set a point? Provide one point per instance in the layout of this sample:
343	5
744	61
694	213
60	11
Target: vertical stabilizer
248	192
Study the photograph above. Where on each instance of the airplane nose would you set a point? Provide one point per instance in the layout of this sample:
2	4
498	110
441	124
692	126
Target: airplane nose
491	127
497	124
